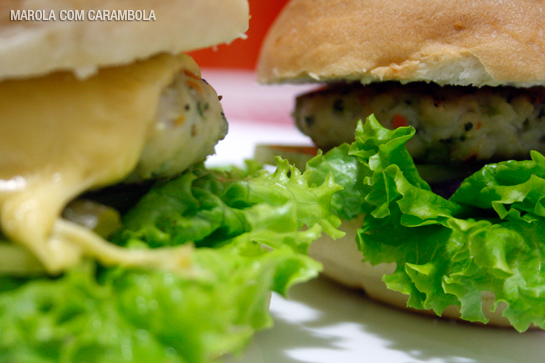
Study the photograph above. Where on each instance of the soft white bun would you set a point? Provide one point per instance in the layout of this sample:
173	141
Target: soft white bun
462	42
343	263
30	48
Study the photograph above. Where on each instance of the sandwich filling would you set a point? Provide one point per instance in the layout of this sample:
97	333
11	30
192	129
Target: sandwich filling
453	124
152	118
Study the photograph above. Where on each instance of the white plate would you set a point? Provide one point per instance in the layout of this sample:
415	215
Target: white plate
325	323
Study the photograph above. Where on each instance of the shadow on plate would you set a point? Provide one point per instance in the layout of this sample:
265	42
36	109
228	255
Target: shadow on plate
321	322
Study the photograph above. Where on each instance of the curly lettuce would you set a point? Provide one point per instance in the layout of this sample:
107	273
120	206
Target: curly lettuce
246	227
487	237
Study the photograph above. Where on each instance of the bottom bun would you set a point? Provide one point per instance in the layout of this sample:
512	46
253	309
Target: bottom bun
343	263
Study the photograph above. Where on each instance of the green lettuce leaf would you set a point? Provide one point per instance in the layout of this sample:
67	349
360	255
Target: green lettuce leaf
486	237
209	209
246	226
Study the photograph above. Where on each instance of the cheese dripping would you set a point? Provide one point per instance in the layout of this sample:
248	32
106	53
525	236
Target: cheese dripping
61	136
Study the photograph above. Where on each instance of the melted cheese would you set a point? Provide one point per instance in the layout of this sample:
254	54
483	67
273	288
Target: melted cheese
60	136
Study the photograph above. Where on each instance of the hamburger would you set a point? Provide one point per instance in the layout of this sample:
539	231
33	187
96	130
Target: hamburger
441	196
116	243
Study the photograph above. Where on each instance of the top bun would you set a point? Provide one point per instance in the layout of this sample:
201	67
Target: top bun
456	42
31	48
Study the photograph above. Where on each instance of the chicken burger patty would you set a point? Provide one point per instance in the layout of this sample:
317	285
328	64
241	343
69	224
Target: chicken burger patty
188	124
453	123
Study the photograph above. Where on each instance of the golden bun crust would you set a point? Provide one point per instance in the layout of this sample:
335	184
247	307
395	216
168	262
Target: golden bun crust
459	42
343	263
31	48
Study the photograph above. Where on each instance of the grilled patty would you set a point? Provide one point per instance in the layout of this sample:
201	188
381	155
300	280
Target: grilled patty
453	124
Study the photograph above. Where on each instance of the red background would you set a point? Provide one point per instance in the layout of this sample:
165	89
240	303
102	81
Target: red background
243	53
